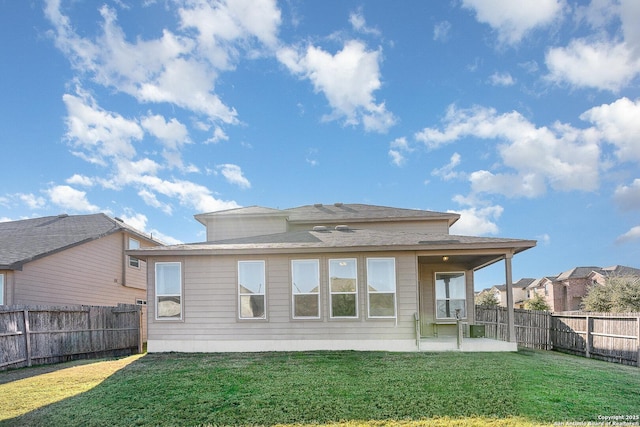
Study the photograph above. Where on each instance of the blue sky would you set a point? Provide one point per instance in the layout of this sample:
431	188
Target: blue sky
522	116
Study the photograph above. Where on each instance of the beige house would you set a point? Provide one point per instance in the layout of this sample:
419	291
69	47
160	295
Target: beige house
520	295
321	277
72	260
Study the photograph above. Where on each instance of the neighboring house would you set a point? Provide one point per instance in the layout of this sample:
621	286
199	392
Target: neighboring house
519	293
600	276
317	277
565	291
71	259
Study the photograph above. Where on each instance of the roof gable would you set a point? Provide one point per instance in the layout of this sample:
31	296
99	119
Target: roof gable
26	240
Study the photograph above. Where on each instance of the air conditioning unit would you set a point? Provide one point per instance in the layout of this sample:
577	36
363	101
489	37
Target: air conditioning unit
476	331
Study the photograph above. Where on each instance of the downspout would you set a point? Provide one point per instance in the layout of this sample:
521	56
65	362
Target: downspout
124	259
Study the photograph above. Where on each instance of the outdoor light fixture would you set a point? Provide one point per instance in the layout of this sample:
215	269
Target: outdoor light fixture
445	258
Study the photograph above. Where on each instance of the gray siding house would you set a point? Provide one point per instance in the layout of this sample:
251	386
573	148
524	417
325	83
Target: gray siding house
320	277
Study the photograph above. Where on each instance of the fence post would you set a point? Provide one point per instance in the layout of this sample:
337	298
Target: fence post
638	341
27	336
589	338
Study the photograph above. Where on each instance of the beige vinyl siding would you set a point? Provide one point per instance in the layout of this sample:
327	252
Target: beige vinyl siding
429	325
90	274
87	274
211	308
232	228
135	277
426	226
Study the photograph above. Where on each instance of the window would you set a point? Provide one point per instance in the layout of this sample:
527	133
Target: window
451	295
168	290
305	275
381	287
251	289
343	286
1	289
133	261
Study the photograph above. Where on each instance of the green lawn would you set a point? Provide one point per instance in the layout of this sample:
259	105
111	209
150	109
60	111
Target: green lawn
346	388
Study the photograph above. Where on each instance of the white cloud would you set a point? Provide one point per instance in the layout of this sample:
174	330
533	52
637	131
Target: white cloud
398	148
605	65
100	133
139	221
514	19
358	22
218	135
566	158
136	220
629	236
501	79
607	60
477	221
619	124
172	133
627	197
447	171
441	31
544	238
348	80
154	70
82	180
32	201
69	198
397	158
233	174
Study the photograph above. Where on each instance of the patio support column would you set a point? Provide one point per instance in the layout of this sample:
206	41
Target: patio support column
511	336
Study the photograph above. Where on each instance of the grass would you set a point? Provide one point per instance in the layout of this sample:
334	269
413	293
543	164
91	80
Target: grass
350	389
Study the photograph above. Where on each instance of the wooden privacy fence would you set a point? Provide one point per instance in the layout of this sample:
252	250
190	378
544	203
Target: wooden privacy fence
606	336
41	335
533	328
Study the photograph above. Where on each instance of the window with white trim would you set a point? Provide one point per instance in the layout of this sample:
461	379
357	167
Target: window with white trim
381	287
451	295
251	290
168	291
133	261
1	289
343	287
305	288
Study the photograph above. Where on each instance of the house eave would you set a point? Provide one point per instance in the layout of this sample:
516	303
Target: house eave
497	249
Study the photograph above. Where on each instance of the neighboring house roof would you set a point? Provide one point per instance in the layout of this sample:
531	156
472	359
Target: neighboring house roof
338	212
620	270
576	273
520	284
538	283
30	239
523	283
331	240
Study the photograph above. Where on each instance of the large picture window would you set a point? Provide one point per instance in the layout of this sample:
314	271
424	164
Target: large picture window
343	284
305	276
381	287
451	295
168	290
251	289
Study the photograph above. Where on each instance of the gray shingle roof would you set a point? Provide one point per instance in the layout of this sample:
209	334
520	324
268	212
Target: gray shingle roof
577	273
353	239
26	240
354	212
339	212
